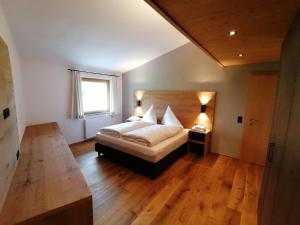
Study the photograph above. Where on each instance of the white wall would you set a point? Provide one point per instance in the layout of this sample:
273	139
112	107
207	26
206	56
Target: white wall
8	159
47	87
189	68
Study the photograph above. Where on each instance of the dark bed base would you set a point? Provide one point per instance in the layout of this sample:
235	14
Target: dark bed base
139	165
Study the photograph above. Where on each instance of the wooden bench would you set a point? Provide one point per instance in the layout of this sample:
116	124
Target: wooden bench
48	187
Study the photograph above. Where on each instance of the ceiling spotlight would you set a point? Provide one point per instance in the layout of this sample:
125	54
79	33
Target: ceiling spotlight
241	55
232	33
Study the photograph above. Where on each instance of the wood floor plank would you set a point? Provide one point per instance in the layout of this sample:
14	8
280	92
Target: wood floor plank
211	190
221	191
195	199
178	207
248	218
232	217
251	193
238	187
155	206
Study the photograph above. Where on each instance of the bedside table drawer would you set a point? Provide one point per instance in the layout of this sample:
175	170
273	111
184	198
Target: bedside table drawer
197	136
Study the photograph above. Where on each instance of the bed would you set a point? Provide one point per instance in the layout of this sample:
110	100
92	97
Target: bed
149	161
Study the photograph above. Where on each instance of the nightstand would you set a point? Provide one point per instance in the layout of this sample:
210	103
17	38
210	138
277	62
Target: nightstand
199	142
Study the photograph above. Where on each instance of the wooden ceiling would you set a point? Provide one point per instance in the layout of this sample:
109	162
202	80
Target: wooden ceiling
260	26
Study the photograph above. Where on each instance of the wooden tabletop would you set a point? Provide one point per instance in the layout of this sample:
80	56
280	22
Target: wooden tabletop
47	178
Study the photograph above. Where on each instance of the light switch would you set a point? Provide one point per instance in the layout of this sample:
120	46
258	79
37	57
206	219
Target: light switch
240	119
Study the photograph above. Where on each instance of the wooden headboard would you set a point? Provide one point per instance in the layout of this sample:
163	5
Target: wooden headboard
186	105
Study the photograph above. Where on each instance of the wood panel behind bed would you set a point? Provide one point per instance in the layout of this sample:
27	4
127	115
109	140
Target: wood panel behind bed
186	105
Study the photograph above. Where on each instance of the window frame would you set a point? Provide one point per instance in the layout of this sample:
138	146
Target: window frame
98	80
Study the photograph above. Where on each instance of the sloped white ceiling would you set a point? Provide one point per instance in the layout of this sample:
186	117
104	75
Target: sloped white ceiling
113	35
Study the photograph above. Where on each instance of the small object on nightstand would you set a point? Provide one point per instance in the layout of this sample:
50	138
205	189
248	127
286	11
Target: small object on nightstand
133	118
199	128
199	142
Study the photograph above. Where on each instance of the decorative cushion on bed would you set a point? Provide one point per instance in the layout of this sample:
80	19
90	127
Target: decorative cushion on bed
150	116
170	119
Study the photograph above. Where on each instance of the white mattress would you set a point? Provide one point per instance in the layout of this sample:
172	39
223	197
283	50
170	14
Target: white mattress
152	154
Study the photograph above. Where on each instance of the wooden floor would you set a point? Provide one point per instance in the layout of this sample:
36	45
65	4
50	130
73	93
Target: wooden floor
215	190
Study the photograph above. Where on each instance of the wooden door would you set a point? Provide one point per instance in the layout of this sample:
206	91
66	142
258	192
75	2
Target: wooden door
258	117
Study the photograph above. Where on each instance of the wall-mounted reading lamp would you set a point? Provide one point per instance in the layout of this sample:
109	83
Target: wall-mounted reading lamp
138	103
203	108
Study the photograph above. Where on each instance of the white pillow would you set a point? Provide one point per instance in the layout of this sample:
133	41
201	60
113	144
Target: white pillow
150	116
169	118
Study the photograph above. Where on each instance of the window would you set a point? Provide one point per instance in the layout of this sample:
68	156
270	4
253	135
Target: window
95	95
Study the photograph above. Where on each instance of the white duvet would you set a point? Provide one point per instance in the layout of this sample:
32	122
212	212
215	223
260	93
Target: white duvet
118	129
151	135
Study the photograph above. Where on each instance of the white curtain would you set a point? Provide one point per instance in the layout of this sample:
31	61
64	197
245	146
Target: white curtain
77	108
113	96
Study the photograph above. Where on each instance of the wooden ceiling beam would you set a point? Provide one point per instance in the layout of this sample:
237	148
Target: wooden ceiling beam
182	30
261	26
